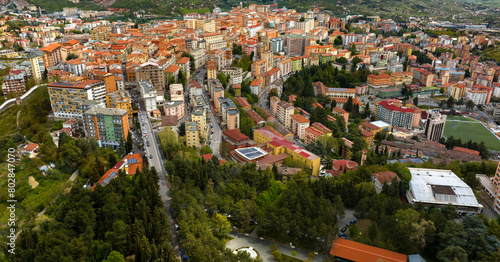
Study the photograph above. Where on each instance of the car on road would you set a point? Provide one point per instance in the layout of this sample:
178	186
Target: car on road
344	229
150	156
184	257
176	227
147	143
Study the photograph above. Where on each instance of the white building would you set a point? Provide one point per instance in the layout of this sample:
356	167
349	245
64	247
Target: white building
476	96
76	67
148	93
440	188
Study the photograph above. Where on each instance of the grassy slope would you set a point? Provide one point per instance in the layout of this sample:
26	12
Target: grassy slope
57	5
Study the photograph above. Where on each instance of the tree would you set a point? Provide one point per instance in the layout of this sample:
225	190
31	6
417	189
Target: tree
348	106
129	144
452	253
355	62
223	79
221	226
122	149
71	57
415	101
206	150
182	129
333	104
341	60
441	90
337	40
467	73
451	102
470	105
114	256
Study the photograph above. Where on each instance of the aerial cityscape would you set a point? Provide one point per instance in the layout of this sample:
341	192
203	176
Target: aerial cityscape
141	130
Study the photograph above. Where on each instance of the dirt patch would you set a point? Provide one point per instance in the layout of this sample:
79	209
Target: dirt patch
32	182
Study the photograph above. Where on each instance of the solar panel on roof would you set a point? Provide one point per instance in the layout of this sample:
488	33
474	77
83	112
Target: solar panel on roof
132	161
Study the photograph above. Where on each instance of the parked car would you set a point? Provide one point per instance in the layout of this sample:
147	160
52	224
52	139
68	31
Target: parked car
344	229
147	143
150	156
184	257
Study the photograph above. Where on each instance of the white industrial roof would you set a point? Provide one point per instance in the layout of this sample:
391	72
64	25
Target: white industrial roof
422	179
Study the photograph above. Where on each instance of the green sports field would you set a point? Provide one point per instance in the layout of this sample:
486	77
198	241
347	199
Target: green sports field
469	129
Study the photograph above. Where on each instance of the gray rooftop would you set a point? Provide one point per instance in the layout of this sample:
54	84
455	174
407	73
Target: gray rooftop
106	111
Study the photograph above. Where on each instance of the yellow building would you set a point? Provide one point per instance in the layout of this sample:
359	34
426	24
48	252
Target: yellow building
280	146
457	91
100	33
199	116
121	100
192	134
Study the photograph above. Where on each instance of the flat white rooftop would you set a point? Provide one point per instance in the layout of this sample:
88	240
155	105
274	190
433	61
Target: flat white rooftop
440	187
380	124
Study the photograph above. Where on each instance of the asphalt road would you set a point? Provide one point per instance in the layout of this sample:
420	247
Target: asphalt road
154	158
215	131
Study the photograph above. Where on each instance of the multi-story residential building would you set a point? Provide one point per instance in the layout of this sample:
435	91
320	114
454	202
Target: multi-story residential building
434	126
66	99
108	79
192	134
184	65
199	116
174	108
106	125
277	44
477	96
230	113
100	33
211	69
199	58
296	63
37	66
312	134
76	66
153	72
457	91
341	112
298	125
121	100
396	116
255	86
258	67
377	81
235	75
401	78
194	89
14	83
284	110
52	55
176	92
148	93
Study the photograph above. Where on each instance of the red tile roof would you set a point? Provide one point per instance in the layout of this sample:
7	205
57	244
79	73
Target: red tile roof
299	118
466	150
30	147
235	135
385	176
392	107
354	251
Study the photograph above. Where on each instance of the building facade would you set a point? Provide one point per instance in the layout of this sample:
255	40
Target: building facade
434	127
66	99
106	125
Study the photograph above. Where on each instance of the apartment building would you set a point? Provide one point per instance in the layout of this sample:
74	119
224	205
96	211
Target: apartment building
402	78
192	134
283	112
396	116
298	125
153	72
76	66
457	91
235	75
37	66
174	108
199	116
148	93
230	113
121	100
108	79
434	126
66	99
377	81
106	125
52	55
14	83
